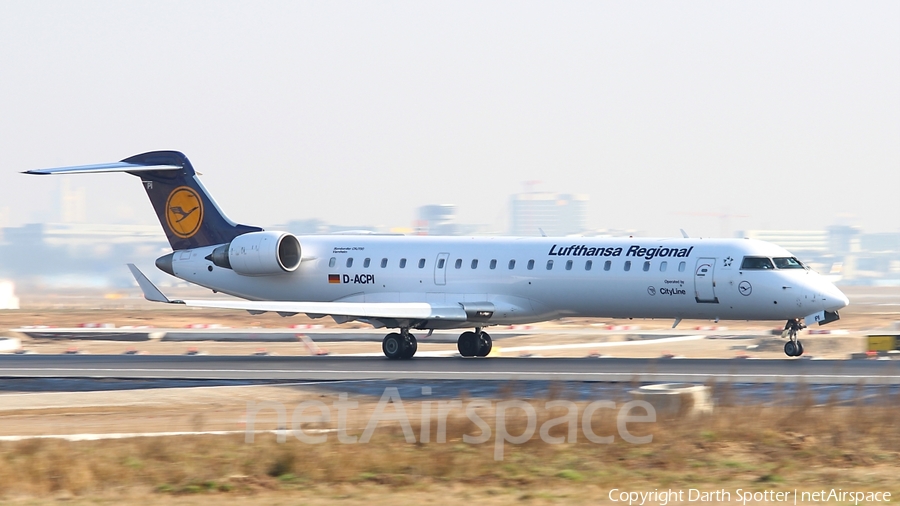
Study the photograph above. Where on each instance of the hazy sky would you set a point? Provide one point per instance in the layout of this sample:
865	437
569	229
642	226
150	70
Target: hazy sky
787	113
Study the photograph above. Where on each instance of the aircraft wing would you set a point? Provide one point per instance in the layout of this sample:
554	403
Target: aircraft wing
353	310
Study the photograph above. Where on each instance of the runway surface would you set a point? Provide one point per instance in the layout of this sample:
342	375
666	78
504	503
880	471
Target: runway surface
329	368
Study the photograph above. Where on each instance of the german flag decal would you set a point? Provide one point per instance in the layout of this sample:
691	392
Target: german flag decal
334	278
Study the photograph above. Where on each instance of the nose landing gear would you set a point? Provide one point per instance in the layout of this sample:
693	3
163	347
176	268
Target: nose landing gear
399	346
474	344
793	348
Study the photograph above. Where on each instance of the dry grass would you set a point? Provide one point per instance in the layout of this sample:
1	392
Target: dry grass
799	446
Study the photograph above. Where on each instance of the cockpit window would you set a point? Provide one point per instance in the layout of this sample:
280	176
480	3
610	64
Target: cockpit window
756	263
788	263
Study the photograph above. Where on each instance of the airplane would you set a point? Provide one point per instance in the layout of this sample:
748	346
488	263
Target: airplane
421	283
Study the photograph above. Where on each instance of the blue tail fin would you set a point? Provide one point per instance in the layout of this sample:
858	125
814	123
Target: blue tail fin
186	211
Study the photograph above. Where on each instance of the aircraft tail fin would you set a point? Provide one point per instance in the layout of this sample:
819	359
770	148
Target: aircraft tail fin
188	214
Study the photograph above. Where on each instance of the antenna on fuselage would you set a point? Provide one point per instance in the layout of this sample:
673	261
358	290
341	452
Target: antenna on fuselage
684	234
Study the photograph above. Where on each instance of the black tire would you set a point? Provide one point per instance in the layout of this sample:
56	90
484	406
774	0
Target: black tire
411	346
467	344
484	345
799	349
790	349
393	346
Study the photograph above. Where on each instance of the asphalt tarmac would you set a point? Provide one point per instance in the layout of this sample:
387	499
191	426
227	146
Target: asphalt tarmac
331	368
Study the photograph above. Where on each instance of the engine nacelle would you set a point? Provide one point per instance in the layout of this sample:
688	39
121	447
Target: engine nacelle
259	254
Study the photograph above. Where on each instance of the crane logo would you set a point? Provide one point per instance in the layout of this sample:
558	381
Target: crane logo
184	212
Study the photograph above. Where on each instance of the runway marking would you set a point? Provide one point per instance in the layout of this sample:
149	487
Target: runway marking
127	435
192	388
549	347
420	354
460	374
604	344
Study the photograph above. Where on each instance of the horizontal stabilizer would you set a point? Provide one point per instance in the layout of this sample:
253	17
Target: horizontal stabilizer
103	167
392	310
151	293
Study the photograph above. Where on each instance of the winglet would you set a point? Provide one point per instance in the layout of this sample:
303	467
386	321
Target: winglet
151	293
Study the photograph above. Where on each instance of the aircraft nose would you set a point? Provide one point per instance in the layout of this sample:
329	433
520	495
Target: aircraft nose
833	299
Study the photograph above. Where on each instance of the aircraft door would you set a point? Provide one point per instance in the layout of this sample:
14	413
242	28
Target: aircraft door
440	269
704	283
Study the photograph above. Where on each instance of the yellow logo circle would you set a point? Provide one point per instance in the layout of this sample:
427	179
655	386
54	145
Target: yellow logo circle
184	212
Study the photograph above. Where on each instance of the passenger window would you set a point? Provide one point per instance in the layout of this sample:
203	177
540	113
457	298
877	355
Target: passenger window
607	265
588	265
474	264
549	265
756	264
383	263
350	262
421	263
441	263
332	261
788	263
646	266
530	264
366	262
403	263
627	265
681	267
493	264
662	266
568	265
512	264
458	263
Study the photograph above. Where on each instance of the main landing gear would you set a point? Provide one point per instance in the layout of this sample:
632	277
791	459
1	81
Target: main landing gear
474	344
399	346
793	348
403	345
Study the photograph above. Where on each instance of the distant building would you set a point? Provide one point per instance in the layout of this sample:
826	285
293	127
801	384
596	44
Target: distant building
72	204
51	250
880	243
306	227
4	220
843	240
437	219
859	258
8	299
553	213
816	242
88	236
315	226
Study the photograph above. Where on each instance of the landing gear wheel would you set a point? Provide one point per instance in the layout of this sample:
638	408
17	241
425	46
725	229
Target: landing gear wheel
484	345
411	346
467	344
793	348
393	346
790	349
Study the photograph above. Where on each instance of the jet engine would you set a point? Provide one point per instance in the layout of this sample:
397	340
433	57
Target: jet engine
259	254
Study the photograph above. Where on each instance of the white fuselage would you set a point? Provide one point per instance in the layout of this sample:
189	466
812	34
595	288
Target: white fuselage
626	277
